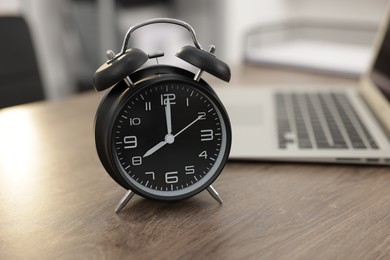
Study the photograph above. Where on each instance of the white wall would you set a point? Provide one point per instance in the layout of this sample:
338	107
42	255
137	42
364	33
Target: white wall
9	7
56	44
352	10
242	15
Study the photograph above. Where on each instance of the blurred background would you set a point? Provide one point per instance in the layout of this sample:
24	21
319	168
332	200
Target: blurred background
51	48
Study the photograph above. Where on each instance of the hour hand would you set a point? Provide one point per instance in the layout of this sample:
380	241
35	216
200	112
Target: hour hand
168	116
169	138
155	148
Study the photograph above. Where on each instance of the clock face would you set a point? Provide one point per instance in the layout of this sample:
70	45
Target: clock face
170	139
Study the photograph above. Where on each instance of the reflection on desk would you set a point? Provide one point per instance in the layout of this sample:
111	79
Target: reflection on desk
56	201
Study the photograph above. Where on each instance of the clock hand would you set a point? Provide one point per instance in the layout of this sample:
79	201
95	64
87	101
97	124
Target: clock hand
190	124
168	116
169	139
155	148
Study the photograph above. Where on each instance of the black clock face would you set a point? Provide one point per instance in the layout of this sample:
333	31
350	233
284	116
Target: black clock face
170	140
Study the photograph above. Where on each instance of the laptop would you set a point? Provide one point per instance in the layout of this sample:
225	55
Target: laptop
332	124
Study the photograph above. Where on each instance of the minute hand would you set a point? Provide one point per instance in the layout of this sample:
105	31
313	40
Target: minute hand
169	139
190	124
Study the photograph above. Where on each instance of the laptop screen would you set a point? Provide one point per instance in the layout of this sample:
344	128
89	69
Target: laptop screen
380	74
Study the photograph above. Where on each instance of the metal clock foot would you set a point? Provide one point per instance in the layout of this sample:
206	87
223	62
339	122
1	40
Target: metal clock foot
124	200
214	194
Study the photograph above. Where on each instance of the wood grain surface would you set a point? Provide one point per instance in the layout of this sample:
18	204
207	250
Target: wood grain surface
57	202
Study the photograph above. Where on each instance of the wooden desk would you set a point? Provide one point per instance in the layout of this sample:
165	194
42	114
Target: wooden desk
57	202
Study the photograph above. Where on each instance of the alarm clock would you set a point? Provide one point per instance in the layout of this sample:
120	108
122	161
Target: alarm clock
161	131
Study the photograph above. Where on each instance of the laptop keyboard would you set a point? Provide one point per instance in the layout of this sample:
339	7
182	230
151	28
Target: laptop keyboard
320	121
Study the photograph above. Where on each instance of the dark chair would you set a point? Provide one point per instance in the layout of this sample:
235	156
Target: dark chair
20	81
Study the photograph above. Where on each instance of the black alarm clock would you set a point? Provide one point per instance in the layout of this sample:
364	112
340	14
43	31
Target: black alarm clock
161	131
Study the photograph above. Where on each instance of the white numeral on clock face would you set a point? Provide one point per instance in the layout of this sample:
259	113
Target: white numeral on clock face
203	154
168	97
130	141
202	115
148	106
206	135
135	121
190	169
136	160
171	177
152	174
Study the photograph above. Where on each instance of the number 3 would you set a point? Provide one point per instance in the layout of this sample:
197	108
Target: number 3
206	135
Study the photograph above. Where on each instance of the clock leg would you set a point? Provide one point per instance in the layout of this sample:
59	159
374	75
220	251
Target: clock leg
124	200
214	194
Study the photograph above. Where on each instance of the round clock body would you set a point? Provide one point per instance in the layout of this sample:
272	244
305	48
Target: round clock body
167	138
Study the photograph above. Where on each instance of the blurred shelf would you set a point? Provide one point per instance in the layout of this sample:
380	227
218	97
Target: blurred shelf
331	47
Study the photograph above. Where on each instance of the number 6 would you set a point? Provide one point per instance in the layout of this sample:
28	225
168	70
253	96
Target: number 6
171	177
